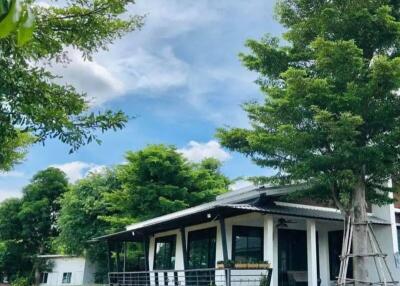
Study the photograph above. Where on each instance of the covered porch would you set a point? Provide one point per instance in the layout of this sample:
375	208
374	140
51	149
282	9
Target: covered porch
301	245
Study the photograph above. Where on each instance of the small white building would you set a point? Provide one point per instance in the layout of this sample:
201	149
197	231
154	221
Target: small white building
67	270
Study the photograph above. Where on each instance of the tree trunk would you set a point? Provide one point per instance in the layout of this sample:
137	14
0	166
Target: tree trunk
360	241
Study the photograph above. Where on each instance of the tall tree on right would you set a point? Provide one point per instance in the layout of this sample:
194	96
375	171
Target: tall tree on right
331	112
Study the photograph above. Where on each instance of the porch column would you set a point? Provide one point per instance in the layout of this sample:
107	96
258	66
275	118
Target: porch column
269	243
184	247
312	253
223	238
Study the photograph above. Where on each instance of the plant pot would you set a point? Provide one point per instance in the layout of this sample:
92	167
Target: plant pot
264	265
253	265
241	265
220	266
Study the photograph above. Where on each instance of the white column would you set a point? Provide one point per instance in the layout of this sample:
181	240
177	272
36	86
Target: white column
269	244
324	257
312	253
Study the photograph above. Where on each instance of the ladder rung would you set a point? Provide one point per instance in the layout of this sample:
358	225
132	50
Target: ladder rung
364	255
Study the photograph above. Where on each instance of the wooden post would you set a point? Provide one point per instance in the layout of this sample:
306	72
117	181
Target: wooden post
184	248
223	237
146	252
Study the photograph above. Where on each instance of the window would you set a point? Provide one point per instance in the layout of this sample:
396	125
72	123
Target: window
201	248
335	240
66	279
164	258
398	237
43	277
247	245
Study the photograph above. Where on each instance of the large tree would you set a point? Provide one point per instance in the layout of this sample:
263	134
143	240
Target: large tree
81	219
331	111
28	226
32	106
154	181
159	180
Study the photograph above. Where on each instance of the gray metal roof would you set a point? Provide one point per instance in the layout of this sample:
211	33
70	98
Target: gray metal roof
228	198
311	212
235	203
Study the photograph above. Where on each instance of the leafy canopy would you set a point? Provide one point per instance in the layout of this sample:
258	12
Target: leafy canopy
29	225
31	103
154	181
331	110
159	180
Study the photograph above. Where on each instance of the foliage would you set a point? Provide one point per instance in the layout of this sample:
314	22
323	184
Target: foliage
80	218
331	112
330	116
31	103
29	225
159	180
21	281
16	16
154	181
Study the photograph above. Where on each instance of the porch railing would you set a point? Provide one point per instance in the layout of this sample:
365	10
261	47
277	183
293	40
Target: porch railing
193	277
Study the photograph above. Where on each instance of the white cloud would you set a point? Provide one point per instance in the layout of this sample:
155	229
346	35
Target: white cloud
12	174
90	77
7	193
168	19
77	170
156	71
196	151
240	184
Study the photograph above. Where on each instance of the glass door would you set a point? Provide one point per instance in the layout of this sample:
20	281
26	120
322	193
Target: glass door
201	255
292	257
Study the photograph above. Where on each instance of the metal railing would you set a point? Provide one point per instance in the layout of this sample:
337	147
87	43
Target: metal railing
193	277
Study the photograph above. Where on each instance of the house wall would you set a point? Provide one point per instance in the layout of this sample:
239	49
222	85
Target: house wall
81	272
387	236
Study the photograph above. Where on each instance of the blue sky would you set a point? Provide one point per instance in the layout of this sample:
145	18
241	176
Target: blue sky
179	76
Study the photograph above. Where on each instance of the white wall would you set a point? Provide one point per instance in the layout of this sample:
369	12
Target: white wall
384	234
82	273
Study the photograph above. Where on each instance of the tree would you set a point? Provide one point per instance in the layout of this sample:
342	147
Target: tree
158	180
12	254
80	220
330	115
31	103
28	225
16	17
40	209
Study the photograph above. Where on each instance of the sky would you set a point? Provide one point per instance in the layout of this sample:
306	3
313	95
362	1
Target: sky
179	77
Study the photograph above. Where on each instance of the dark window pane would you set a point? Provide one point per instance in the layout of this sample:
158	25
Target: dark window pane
165	253
398	236
247	244
335	239
201	248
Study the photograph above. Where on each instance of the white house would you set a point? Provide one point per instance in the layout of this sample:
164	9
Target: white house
67	270
302	242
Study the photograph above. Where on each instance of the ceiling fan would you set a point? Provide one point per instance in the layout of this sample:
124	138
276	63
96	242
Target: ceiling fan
282	222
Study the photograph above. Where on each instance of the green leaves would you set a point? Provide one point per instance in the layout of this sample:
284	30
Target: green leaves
16	16
331	107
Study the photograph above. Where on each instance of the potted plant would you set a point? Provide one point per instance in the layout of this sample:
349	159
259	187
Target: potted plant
264	265
253	264
263	280
220	264
241	265
230	264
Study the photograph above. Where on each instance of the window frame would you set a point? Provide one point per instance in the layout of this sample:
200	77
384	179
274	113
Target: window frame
207	232
44	276
67	278
239	228
168	238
